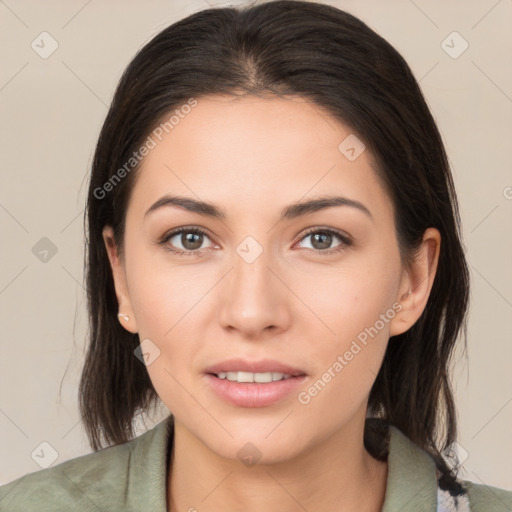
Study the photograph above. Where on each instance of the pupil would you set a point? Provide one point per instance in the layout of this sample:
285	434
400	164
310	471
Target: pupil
188	237
324	236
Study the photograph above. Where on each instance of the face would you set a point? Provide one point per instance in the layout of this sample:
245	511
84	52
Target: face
317	290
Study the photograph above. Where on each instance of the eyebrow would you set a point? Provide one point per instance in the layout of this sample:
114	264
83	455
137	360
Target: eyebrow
289	212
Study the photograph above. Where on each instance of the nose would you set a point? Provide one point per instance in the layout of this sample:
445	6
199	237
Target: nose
254	298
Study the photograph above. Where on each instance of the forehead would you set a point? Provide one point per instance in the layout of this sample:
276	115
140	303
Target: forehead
252	150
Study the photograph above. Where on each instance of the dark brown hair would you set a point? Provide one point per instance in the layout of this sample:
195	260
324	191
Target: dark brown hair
332	58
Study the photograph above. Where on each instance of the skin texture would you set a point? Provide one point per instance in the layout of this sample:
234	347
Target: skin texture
253	156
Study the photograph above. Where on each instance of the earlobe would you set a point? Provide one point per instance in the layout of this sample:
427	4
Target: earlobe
125	314
419	280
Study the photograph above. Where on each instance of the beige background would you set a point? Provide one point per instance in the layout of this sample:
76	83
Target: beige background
51	112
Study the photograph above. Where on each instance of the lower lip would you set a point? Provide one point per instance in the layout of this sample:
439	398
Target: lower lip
253	394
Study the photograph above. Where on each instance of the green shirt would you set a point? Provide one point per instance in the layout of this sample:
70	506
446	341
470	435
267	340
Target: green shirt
133	477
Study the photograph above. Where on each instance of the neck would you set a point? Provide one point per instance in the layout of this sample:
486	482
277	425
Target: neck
316	480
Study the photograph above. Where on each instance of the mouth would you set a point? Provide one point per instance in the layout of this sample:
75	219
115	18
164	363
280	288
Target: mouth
253	384
242	370
261	377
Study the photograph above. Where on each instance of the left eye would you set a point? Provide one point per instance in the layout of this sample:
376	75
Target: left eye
322	240
191	239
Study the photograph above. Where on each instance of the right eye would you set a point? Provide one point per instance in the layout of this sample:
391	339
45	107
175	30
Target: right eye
190	239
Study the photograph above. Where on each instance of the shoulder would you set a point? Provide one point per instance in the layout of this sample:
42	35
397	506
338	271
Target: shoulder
71	485
486	498
114	475
413	483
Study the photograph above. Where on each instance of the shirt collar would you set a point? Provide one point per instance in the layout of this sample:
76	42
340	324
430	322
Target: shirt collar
411	482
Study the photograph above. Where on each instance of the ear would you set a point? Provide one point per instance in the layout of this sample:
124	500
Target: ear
119	276
416	283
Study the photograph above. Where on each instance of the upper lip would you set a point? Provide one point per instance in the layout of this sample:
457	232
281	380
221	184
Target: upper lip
262	366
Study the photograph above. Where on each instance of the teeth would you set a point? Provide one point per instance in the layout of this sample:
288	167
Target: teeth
253	377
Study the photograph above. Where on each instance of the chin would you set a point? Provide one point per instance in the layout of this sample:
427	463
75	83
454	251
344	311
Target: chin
252	445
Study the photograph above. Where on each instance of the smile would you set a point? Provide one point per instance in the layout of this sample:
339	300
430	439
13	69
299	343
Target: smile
253	377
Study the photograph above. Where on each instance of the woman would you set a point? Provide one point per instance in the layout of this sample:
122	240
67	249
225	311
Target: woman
274	253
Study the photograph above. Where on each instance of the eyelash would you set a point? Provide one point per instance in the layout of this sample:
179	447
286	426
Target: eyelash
346	241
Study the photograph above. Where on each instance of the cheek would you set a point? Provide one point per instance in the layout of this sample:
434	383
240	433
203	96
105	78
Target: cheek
353	309
167	302
164	295
169	305
346	299
346	364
